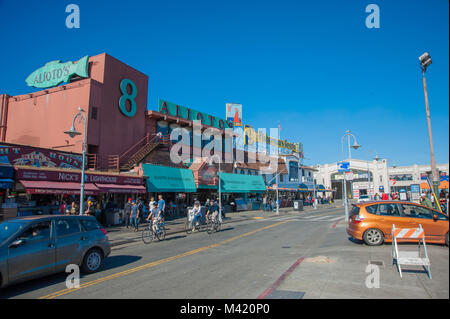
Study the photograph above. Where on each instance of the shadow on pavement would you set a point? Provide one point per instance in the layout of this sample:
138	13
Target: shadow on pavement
59	278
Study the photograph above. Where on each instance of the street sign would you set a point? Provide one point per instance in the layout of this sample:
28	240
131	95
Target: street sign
343	167
349	176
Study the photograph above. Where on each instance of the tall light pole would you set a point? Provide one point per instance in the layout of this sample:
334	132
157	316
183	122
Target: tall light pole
368	171
72	133
220	188
276	177
355	146
425	61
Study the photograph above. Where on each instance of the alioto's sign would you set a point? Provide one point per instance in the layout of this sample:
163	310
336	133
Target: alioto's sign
192	115
55	72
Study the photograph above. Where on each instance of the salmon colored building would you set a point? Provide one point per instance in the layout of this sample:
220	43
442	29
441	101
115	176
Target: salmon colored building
121	132
41	118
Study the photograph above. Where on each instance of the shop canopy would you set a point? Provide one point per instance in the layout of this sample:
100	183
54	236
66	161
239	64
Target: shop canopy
58	188
166	179
424	186
443	185
305	188
240	183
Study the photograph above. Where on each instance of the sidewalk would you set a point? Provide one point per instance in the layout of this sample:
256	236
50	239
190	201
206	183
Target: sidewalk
120	235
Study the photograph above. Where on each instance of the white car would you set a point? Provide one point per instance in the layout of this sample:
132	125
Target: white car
363	198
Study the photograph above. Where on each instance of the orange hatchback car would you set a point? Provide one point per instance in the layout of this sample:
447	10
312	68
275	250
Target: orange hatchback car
372	221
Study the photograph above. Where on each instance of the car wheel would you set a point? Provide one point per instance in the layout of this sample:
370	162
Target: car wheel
446	240
373	237
92	261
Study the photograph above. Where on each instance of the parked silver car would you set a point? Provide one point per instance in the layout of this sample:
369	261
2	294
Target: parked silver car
36	246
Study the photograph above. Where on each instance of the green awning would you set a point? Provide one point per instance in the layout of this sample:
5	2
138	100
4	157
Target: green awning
169	179
240	183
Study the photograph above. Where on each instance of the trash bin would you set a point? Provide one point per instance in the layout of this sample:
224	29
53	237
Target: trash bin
298	205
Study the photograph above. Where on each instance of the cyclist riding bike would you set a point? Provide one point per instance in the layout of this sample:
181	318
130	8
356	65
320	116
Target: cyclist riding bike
214	210
197	212
155	216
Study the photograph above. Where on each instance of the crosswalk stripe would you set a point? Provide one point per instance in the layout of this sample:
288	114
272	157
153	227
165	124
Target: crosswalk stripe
323	217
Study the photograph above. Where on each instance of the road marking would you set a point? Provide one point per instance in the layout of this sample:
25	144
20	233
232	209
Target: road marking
323	217
337	218
156	263
280	279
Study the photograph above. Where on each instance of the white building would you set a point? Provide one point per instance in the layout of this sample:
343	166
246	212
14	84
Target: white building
382	177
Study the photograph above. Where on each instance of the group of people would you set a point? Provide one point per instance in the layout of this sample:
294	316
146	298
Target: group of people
72	208
211	207
386	196
268	203
134	211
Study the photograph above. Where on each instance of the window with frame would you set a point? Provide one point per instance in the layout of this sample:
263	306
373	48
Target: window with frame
388	210
37	232
89	225
66	227
372	209
293	170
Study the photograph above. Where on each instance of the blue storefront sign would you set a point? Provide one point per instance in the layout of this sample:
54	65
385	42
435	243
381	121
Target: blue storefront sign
6	174
6	171
415	188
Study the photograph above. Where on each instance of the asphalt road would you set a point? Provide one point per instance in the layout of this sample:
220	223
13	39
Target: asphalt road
297	255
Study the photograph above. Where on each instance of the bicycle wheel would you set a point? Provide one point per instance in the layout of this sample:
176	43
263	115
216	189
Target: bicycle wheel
188	226
217	226
210	226
147	235
161	235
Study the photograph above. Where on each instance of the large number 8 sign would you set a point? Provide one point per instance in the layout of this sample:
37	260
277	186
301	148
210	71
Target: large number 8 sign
130	97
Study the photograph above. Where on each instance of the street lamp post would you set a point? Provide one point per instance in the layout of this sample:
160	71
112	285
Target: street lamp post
425	61
355	146
220	188
72	133
276	177
368	171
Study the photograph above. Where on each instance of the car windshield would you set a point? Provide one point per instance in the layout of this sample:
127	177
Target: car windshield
9	228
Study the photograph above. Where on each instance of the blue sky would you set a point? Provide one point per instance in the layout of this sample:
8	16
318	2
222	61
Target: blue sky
311	65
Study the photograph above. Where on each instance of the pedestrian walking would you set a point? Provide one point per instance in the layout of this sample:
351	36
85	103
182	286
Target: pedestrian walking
127	212
134	216
425	201
264	203
161	205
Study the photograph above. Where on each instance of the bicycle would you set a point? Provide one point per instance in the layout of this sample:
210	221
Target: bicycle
148	234
189	227
213	224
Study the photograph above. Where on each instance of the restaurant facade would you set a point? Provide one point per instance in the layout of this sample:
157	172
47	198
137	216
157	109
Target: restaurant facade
123	138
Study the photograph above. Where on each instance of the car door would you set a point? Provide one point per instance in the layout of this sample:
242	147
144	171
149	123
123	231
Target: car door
435	230
69	239
389	214
35	257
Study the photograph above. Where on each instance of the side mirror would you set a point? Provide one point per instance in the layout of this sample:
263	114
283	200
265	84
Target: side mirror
17	243
435	217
